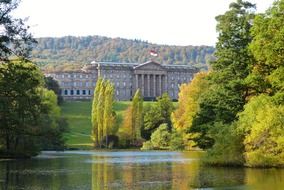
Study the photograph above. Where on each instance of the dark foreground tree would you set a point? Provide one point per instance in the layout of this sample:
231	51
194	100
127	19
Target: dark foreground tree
15	40
28	112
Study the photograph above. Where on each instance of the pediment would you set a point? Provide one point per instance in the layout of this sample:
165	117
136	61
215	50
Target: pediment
150	65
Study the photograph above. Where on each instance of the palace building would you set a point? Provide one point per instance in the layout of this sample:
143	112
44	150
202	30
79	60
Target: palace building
152	78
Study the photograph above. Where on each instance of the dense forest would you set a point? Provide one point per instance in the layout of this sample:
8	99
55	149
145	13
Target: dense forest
56	52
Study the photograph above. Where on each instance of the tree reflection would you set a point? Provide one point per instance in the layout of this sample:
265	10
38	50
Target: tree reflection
211	177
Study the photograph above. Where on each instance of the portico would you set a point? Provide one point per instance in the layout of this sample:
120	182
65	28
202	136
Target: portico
151	79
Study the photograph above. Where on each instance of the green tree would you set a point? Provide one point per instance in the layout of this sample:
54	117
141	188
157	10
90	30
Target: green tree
228	92
53	85
103	115
267	48
28	112
261	124
95	111
15	40
109	117
160	138
53	126
158	114
137	115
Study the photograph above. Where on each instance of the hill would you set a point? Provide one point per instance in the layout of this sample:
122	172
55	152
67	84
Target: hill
70	51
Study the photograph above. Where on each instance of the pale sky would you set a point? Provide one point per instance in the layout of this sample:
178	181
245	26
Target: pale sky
172	22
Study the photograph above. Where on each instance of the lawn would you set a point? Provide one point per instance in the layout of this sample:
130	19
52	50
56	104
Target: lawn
78	115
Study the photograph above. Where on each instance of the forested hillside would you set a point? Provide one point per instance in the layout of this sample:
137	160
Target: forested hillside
69	50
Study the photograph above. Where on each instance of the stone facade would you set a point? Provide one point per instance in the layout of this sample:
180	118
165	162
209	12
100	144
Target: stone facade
152	78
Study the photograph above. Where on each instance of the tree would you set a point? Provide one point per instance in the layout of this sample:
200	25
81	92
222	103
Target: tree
103	115
53	85
53	126
261	124
228	92
160	138
15	40
130	131
158	114
137	115
267	48
109	117
95	110
188	107
20	107
28	112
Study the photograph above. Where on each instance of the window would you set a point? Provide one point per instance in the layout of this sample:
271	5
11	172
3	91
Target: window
81	76
84	92
65	92
87	84
124	84
71	92
89	92
75	83
69	76
78	92
62	76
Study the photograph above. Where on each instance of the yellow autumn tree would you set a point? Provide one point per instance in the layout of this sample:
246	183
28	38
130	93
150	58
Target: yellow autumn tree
188	106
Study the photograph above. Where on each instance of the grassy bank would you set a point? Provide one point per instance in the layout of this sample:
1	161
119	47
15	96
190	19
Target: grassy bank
78	115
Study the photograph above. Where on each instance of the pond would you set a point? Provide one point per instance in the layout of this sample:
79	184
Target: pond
130	170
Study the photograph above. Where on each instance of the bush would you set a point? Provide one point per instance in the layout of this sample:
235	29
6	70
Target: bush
176	142
147	146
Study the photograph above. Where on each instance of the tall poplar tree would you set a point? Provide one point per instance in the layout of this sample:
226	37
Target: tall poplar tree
137	112
103	115
108	116
95	137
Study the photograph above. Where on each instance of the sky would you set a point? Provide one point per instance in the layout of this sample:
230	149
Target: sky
171	22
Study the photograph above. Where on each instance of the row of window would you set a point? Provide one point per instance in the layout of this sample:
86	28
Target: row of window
116	76
81	76
87	84
71	92
181	78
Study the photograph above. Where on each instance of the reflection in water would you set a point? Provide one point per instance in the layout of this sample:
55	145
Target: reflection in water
209	177
130	170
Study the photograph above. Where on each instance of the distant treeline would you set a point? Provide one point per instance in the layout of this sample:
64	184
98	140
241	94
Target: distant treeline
69	50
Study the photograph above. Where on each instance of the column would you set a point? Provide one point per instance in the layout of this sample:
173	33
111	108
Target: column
142	85
136	83
160	85
166	83
154	86
149	89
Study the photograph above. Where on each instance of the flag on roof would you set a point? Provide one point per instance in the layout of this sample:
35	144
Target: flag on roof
153	53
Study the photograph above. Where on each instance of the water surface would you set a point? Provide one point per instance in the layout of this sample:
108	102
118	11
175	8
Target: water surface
130	170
